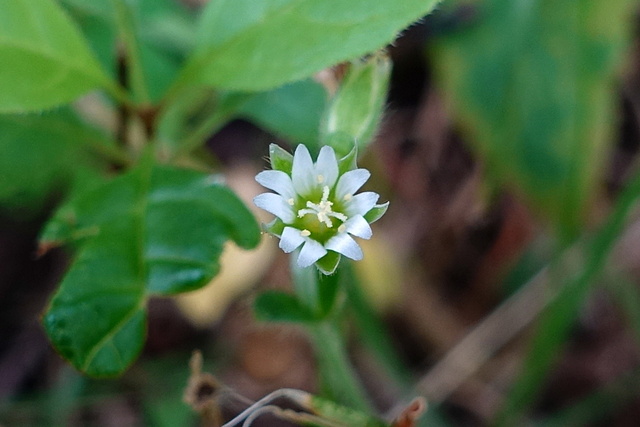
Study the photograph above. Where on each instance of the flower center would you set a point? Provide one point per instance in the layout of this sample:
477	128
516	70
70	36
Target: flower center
322	210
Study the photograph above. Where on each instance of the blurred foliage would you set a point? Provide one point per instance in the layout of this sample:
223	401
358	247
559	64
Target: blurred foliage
533	84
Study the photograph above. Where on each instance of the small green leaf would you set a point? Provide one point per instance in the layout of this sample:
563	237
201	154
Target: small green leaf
292	111
45	61
355	111
154	230
276	306
260	44
533	84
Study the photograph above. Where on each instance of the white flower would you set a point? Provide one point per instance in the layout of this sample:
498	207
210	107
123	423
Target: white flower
316	207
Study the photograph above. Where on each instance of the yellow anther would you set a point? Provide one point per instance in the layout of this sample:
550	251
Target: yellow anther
305	233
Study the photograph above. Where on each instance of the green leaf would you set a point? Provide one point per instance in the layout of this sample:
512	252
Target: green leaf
276	306
37	151
153	231
97	23
292	111
260	44
533	85
45	61
165	32
355	111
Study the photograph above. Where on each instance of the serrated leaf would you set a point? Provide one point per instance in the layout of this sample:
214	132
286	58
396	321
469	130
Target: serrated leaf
153	231
45	61
276	306
260	44
292	111
532	83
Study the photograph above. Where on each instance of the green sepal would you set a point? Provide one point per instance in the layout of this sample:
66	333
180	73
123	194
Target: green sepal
376	212
328	263
277	306
349	162
275	227
328	287
281	160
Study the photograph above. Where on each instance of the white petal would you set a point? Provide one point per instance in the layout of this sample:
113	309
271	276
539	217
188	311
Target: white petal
303	171
327	166
276	205
358	226
290	239
345	245
361	203
277	181
351	182
310	253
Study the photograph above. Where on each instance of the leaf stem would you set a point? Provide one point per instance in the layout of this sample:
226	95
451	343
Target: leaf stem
210	125
126	28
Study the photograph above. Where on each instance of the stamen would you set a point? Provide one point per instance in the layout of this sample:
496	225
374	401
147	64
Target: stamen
291	201
322	210
348	197
320	179
342	228
305	233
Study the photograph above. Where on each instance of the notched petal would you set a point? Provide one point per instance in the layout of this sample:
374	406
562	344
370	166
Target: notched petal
361	203
359	227
345	245
277	181
276	205
327	166
303	171
291	239
311	252
351	182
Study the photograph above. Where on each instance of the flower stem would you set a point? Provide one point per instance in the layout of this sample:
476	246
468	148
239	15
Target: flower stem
336	372
338	377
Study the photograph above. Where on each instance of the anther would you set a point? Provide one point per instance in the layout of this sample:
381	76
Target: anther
305	233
